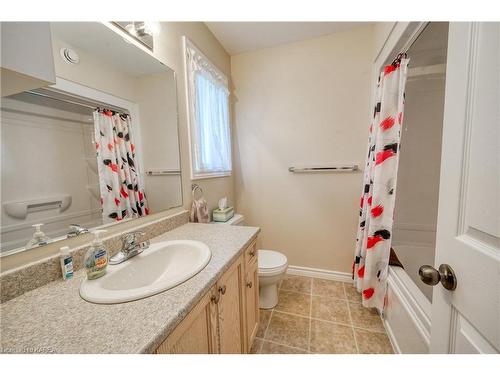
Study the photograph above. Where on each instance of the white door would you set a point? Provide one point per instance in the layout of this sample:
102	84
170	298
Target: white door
467	319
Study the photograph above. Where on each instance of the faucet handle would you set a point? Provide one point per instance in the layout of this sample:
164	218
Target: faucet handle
130	238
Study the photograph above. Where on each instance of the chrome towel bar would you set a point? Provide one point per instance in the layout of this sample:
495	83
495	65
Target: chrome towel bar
342	168
163	173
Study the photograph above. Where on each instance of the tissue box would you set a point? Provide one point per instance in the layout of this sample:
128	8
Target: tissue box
223	215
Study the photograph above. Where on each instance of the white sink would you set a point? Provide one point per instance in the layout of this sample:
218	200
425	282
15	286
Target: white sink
162	266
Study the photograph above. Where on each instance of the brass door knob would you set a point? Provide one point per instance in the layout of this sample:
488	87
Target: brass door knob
430	276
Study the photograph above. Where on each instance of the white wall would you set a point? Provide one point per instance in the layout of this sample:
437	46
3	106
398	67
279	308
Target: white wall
303	103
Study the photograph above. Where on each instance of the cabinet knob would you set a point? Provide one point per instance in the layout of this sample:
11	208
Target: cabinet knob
252	252
222	289
249	284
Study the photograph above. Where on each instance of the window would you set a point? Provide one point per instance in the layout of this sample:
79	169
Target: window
208	103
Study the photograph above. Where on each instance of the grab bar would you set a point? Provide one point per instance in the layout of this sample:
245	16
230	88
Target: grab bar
343	168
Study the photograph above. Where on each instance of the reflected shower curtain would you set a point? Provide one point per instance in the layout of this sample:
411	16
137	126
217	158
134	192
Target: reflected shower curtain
122	193
373	242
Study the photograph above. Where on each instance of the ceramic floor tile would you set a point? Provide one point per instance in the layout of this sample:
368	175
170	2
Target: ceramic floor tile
274	348
256	346
264	316
373	342
332	309
365	318
351	293
329	288
331	338
288	330
296	284
295	303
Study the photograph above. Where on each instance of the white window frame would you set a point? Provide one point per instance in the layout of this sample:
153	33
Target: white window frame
188	45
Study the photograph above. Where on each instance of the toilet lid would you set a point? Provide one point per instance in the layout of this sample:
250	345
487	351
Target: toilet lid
269	260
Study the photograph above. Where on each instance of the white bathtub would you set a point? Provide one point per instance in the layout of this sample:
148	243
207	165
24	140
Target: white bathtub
408	310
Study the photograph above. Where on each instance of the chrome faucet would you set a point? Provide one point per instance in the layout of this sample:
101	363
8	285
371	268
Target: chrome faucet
76	230
130	247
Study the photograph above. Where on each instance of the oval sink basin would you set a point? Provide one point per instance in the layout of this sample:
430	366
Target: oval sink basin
162	266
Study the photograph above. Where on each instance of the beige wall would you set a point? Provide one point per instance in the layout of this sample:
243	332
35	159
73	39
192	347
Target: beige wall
303	103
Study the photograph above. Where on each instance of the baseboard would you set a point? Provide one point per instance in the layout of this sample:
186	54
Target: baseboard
319	273
392	338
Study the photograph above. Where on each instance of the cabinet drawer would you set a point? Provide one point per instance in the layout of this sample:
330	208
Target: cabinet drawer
251	252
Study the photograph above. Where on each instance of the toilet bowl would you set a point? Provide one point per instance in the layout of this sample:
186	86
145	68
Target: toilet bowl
272	268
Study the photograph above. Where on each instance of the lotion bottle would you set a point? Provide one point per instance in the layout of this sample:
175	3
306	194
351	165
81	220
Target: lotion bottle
66	263
96	259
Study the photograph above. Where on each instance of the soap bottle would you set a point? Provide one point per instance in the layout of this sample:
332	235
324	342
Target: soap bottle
66	263
39	238
96	259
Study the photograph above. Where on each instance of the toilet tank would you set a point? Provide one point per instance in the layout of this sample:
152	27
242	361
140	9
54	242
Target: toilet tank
237	219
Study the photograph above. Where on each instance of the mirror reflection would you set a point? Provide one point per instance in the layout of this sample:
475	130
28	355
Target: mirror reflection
97	147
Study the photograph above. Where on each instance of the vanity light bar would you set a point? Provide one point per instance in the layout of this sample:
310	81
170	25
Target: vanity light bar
344	168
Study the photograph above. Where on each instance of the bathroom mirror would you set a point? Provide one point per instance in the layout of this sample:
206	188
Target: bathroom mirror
98	147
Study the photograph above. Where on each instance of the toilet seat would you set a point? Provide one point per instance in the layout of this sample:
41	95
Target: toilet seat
271	263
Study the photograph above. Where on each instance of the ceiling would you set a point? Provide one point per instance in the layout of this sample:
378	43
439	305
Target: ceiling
239	37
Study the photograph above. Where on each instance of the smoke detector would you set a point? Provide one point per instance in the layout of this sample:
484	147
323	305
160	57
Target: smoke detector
70	56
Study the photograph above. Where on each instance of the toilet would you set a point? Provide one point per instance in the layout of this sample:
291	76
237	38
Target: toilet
272	267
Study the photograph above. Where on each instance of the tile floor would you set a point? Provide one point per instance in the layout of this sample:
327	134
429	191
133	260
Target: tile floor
319	316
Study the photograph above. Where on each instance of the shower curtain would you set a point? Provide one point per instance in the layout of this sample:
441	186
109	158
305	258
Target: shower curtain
373	242
122	193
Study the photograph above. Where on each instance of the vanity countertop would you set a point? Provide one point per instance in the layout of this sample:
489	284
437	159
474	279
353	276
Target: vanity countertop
55	319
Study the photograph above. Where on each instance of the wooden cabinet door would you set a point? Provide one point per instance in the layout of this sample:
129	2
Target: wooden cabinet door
231	307
197	333
252	301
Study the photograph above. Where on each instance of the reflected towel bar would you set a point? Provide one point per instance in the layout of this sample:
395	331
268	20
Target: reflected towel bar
345	168
162	173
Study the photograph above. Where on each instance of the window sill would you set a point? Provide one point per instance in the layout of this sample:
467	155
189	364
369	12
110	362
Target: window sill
203	176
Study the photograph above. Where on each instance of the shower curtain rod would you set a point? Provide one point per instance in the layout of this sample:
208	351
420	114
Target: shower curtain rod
93	107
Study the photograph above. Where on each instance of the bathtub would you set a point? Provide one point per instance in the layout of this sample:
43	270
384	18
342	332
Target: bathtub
408	308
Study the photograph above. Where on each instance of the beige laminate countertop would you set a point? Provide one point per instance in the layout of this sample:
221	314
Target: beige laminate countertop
55	319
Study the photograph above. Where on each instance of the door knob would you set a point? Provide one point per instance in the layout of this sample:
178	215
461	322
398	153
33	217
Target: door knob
431	276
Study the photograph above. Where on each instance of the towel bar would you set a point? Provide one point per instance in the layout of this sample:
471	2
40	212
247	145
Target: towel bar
163	173
344	168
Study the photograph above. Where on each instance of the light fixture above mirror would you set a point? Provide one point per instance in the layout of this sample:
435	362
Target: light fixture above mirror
142	31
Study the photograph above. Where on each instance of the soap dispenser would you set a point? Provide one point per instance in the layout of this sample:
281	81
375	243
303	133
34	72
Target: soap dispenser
39	238
96	259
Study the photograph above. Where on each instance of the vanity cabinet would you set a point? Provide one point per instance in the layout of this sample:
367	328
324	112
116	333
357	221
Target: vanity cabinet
226	319
196	334
252	300
27	62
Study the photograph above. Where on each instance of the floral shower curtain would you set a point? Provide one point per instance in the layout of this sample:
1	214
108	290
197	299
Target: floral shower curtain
373	243
122	193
